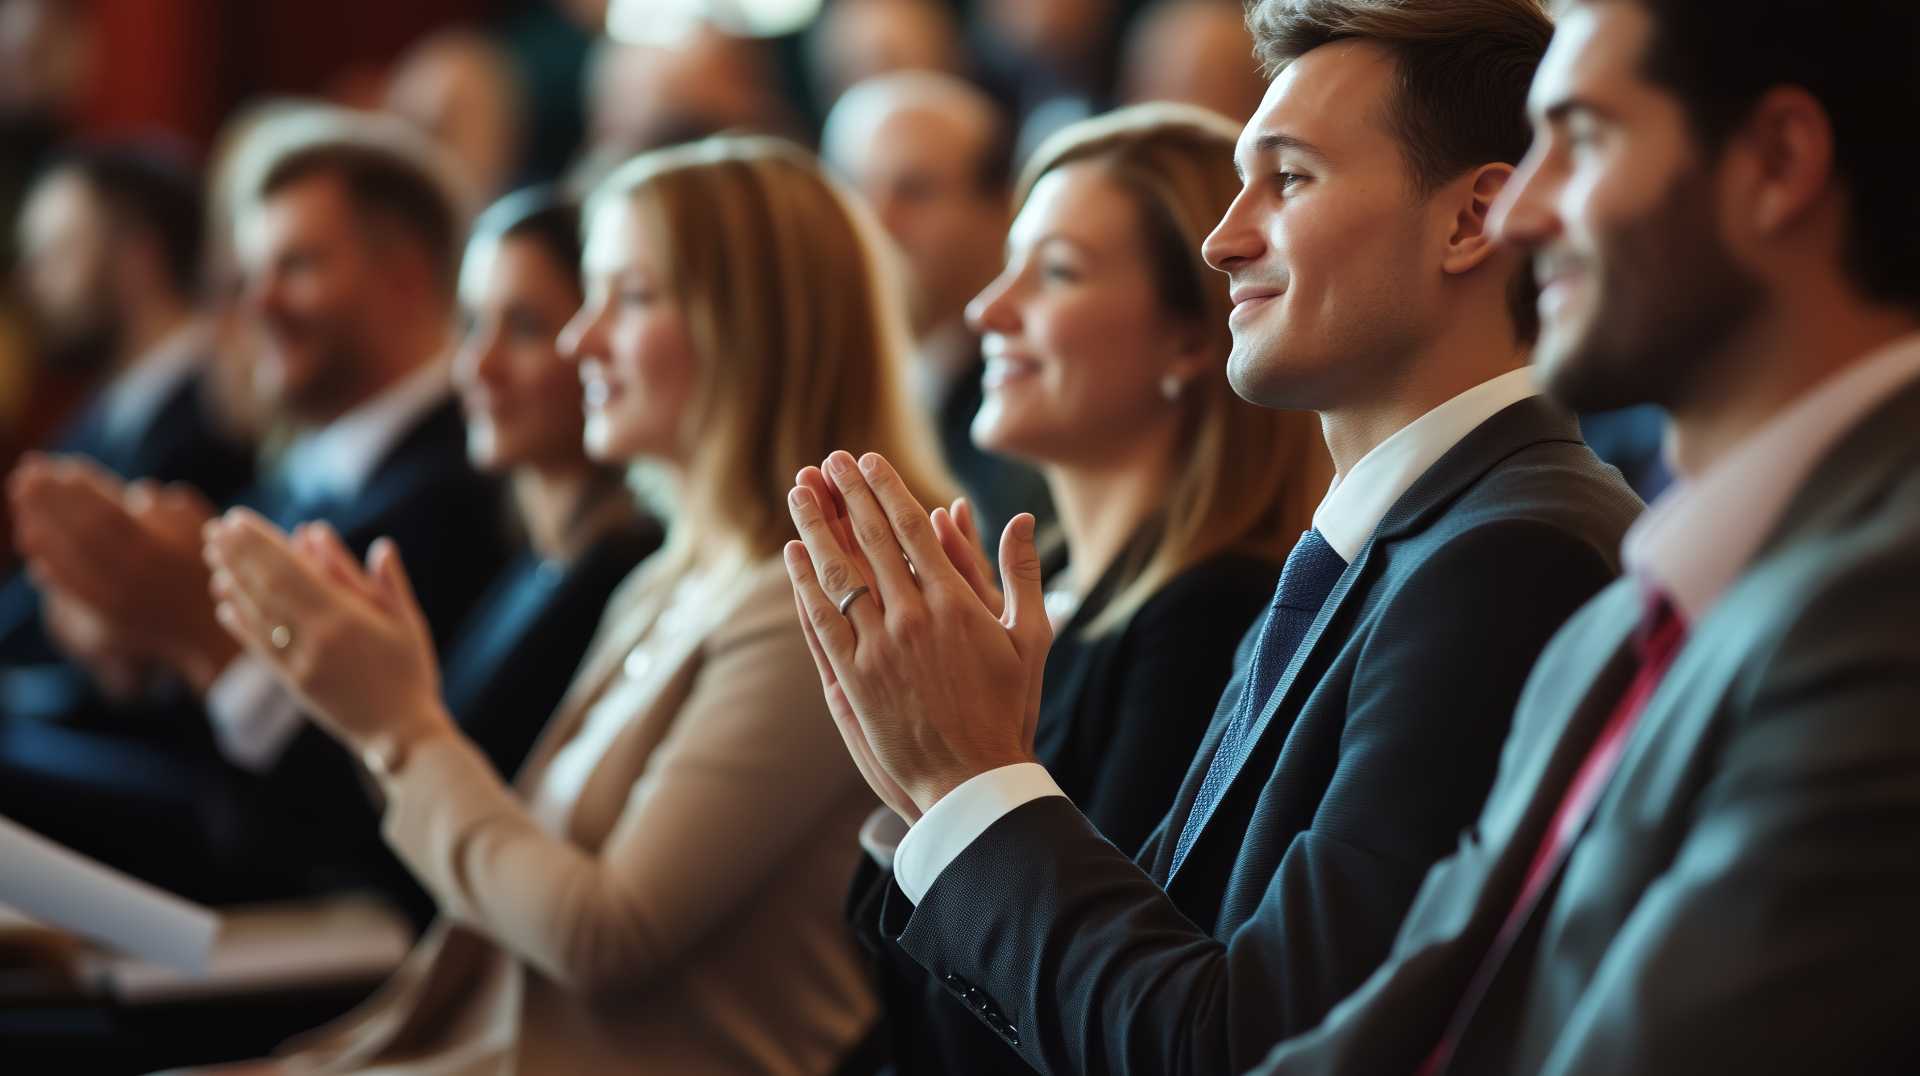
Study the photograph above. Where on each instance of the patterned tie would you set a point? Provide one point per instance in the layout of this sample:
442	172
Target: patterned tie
1310	573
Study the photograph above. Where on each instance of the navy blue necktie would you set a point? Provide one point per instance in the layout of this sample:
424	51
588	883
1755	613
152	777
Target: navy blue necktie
1308	577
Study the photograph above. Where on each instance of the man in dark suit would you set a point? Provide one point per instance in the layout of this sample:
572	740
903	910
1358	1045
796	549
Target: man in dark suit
1467	522
110	241
348	242
1700	852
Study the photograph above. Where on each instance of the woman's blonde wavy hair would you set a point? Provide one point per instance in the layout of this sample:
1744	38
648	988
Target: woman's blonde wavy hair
1248	477
801	340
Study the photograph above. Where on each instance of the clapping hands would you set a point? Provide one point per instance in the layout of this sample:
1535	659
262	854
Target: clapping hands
931	676
350	642
121	568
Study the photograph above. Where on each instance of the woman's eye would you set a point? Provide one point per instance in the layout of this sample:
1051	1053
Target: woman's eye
1061	273
1288	179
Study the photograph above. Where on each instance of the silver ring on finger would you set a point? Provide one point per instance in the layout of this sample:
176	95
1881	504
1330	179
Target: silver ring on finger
854	595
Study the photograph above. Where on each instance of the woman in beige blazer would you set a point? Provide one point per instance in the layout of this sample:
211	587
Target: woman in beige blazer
659	891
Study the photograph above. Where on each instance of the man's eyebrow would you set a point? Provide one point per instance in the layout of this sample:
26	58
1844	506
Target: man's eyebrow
1269	143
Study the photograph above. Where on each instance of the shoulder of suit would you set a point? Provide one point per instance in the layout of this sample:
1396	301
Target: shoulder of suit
1560	484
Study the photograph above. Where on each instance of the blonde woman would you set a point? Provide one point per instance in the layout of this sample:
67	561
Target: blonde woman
1106	341
660	889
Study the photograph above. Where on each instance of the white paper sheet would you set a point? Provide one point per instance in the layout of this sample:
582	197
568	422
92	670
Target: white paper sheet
61	888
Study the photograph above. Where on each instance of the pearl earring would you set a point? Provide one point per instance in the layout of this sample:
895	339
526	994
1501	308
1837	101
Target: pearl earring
1171	387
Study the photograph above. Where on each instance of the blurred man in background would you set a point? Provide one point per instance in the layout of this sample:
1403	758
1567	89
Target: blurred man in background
1193	51
347	241
930	153
110	238
856	40
463	91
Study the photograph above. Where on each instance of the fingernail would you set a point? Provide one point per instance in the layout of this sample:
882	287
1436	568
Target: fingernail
840	462
800	498
870	463
1023	527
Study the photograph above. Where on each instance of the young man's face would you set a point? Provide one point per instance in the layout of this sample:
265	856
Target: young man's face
1333	255
1622	214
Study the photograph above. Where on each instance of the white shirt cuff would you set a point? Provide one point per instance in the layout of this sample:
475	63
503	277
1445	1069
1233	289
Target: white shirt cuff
254	718
881	834
960	818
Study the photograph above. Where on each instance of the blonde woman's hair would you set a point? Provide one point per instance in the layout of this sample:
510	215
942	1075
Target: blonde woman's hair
800	340
1247	477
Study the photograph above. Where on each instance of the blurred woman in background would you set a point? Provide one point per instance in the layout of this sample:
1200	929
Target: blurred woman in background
660	890
1106	341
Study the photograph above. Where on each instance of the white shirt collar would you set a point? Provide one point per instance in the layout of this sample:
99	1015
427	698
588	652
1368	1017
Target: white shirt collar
134	398
1697	539
1356	503
338	459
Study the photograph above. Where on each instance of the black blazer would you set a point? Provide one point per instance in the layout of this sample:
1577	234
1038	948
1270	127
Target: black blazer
1120	716
182	442
1742	897
1376	748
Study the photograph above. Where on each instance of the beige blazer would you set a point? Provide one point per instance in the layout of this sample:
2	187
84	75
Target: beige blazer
690	921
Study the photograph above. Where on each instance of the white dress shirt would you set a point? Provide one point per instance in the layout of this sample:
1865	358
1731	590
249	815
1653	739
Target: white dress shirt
1700	537
254	717
1347	518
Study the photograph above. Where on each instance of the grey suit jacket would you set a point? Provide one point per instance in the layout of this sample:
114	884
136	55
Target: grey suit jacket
1746	897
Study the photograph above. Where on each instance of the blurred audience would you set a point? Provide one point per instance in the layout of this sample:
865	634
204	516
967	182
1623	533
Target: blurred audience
857	40
1193	51
45	55
931	155
660	889
646	96
1051	62
463	91
347	241
1107	337
111	241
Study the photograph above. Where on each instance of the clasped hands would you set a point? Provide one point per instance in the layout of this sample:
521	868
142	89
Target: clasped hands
932	677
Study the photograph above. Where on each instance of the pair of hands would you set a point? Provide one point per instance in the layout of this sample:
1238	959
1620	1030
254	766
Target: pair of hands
120	568
141	580
933	677
350	642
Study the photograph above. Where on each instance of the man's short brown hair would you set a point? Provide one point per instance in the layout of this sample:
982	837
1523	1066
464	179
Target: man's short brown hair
395	182
1464	67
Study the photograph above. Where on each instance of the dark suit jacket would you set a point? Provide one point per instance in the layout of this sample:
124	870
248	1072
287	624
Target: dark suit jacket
1743	898
1120	716
181	443
1375	749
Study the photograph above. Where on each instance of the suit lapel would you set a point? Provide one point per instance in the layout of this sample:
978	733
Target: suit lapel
1514	428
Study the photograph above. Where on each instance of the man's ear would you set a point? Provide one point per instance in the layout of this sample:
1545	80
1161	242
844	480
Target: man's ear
1790	141
1472	242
